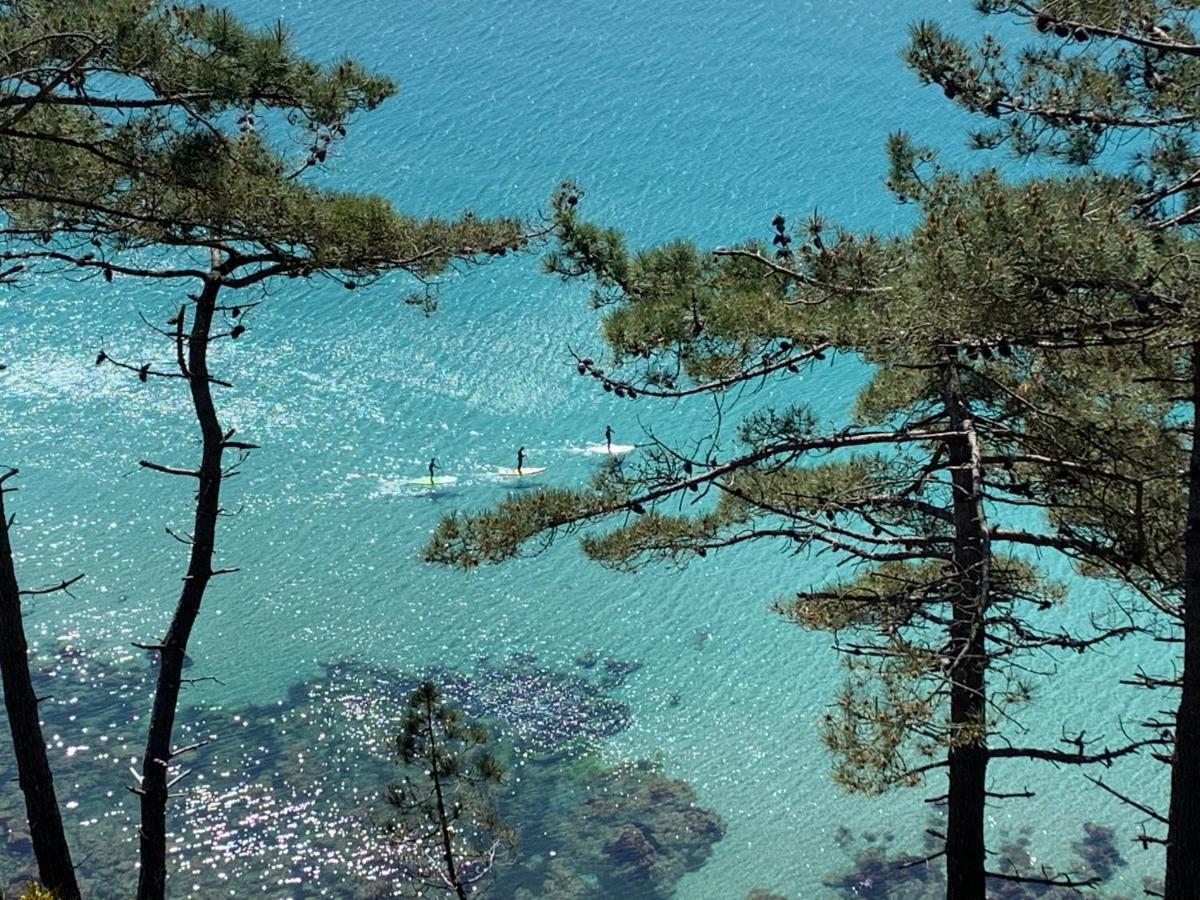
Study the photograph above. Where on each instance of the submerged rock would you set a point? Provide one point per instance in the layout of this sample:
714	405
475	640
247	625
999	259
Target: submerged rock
286	797
588	660
617	670
628	831
1098	850
880	872
632	848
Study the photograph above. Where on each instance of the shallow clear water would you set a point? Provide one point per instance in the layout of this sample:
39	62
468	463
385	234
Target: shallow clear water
700	119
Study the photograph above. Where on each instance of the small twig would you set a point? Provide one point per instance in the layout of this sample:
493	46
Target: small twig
168	470
196	746
61	586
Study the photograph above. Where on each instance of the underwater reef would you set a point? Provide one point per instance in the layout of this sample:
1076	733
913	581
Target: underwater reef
624	831
880	872
286	799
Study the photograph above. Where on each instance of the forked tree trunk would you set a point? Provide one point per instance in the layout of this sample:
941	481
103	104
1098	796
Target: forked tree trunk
1183	817
29	747
154	785
968	756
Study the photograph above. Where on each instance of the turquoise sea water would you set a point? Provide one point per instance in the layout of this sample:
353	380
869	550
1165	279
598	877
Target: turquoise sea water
701	119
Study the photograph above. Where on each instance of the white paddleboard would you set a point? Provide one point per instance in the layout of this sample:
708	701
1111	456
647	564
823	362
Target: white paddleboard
506	472
614	450
435	481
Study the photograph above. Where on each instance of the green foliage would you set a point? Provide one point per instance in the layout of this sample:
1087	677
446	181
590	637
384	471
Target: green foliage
886	598
891	718
446	824
437	736
200	54
892	390
778	426
653	536
34	891
706	312
1098	73
1114	267
490	537
185	139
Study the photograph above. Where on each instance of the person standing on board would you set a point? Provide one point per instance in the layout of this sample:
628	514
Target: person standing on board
608	437
432	466
520	459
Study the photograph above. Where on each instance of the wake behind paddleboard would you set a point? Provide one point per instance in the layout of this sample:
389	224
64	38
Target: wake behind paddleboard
614	450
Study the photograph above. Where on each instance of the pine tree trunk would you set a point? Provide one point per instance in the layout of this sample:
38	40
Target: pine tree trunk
968	758
29	747
443	819
153	840
1183	817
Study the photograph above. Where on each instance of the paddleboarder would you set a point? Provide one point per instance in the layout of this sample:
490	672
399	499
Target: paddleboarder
608	437
432	466
520	459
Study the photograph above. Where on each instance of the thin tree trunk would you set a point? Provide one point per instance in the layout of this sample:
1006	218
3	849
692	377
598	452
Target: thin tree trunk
153	840
1183	817
443	822
965	849
29	747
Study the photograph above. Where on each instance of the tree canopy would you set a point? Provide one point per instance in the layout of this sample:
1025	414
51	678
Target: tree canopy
157	142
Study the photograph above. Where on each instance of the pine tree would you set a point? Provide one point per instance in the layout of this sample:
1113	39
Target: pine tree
447	826
917	494
1110	86
154	142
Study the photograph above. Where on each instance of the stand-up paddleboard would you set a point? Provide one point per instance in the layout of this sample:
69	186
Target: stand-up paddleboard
435	481
605	449
526	471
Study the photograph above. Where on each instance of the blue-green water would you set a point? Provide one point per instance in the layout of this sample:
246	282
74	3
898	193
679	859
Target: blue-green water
701	119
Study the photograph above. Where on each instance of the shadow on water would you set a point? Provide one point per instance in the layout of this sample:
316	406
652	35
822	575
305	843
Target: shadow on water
439	493
286	799
523	486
